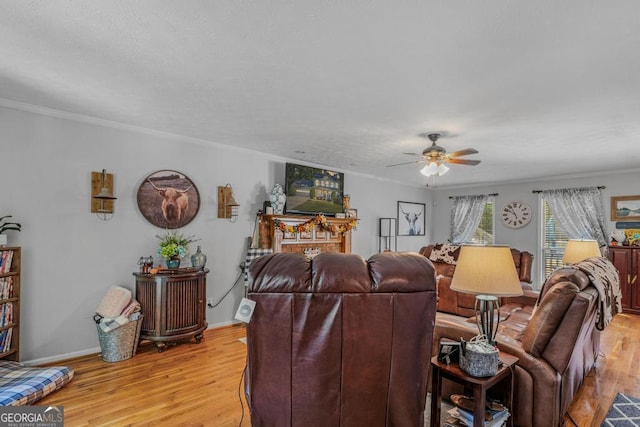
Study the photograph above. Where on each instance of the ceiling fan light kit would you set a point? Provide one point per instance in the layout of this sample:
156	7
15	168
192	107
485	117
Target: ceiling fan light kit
435	158
434	168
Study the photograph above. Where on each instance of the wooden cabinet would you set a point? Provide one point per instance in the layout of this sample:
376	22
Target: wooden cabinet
327	234
173	305
11	259
627	261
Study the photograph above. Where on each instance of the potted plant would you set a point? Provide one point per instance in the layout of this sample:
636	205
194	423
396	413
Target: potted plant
173	247
6	225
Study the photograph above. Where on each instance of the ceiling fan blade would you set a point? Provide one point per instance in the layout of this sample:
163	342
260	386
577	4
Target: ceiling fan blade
413	154
464	152
406	163
463	161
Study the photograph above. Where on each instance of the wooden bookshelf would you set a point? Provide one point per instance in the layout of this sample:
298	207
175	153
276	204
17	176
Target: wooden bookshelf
10	302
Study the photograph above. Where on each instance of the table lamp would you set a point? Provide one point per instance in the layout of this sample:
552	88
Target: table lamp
580	249
487	272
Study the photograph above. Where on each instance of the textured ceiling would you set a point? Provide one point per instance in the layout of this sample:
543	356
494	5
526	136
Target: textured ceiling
538	88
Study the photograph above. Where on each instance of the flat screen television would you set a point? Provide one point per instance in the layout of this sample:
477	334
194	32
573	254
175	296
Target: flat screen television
313	190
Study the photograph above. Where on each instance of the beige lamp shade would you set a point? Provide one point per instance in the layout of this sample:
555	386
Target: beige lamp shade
579	250
486	270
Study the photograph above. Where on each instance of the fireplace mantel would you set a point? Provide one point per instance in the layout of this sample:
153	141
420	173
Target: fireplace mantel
272	237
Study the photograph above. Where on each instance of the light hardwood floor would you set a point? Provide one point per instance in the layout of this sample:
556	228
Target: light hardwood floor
198	384
186	385
617	371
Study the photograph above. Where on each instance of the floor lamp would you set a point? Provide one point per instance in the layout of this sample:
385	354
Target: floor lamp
487	272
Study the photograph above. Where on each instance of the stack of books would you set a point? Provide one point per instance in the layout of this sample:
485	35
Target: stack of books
461	414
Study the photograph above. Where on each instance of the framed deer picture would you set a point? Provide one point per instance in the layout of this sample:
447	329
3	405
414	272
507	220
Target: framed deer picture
411	221
168	199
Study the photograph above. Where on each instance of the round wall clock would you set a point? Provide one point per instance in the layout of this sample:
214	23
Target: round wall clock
516	214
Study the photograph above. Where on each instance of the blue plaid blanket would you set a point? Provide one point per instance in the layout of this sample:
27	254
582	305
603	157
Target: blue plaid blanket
23	385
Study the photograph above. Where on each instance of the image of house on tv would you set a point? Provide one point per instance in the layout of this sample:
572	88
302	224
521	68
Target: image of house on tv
313	190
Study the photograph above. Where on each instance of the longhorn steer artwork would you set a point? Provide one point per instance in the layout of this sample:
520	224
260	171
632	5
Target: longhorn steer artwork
413	223
174	202
168	199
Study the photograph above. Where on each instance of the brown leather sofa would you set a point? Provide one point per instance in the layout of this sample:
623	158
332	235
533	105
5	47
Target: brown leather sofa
339	340
443	258
557	345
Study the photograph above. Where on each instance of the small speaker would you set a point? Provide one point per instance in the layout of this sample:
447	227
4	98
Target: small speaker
245	310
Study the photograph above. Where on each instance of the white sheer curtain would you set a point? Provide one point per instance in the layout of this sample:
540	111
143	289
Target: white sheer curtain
465	217
579	212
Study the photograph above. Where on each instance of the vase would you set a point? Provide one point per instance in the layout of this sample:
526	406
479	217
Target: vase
198	259
173	262
278	199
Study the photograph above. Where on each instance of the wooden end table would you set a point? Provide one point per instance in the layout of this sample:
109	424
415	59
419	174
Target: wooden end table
480	385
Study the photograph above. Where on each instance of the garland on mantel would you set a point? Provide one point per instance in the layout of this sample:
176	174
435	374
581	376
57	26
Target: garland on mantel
319	221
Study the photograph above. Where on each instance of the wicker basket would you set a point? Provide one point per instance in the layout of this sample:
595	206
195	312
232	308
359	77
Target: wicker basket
120	343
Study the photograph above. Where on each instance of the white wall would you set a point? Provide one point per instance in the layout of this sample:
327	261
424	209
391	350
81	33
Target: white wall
70	257
378	199
527	238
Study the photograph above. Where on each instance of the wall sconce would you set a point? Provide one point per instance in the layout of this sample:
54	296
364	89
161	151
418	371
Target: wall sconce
227	205
102	194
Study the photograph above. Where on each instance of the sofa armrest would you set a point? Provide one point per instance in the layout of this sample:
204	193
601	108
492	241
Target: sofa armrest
528	298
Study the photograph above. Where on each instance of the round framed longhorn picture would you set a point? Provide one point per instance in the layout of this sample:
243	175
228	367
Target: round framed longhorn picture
516	214
168	199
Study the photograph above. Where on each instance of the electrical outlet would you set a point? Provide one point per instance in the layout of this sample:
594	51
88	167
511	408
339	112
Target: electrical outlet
209	302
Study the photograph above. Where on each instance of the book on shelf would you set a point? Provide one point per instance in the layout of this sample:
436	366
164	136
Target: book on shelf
6	257
5	340
6	287
6	314
7	345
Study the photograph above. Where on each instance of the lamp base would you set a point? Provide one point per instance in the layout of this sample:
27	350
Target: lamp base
484	307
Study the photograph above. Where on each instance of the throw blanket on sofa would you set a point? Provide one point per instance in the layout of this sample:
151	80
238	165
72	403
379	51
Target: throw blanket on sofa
605	278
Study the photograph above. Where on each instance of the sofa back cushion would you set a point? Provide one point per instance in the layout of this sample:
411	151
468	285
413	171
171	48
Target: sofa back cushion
566	274
547	317
445	256
339	338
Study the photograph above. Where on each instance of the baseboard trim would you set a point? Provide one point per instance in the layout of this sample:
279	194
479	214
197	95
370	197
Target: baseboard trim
96	350
57	358
223	324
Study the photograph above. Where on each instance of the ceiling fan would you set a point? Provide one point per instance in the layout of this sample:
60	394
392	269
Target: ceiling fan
435	157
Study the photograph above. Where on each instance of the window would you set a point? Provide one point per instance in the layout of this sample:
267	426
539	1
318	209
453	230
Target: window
484	232
554	240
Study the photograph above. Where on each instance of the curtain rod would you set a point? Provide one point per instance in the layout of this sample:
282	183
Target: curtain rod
491	194
600	187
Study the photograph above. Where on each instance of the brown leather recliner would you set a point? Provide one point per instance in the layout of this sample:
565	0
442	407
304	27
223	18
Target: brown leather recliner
557	345
464	304
339	340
